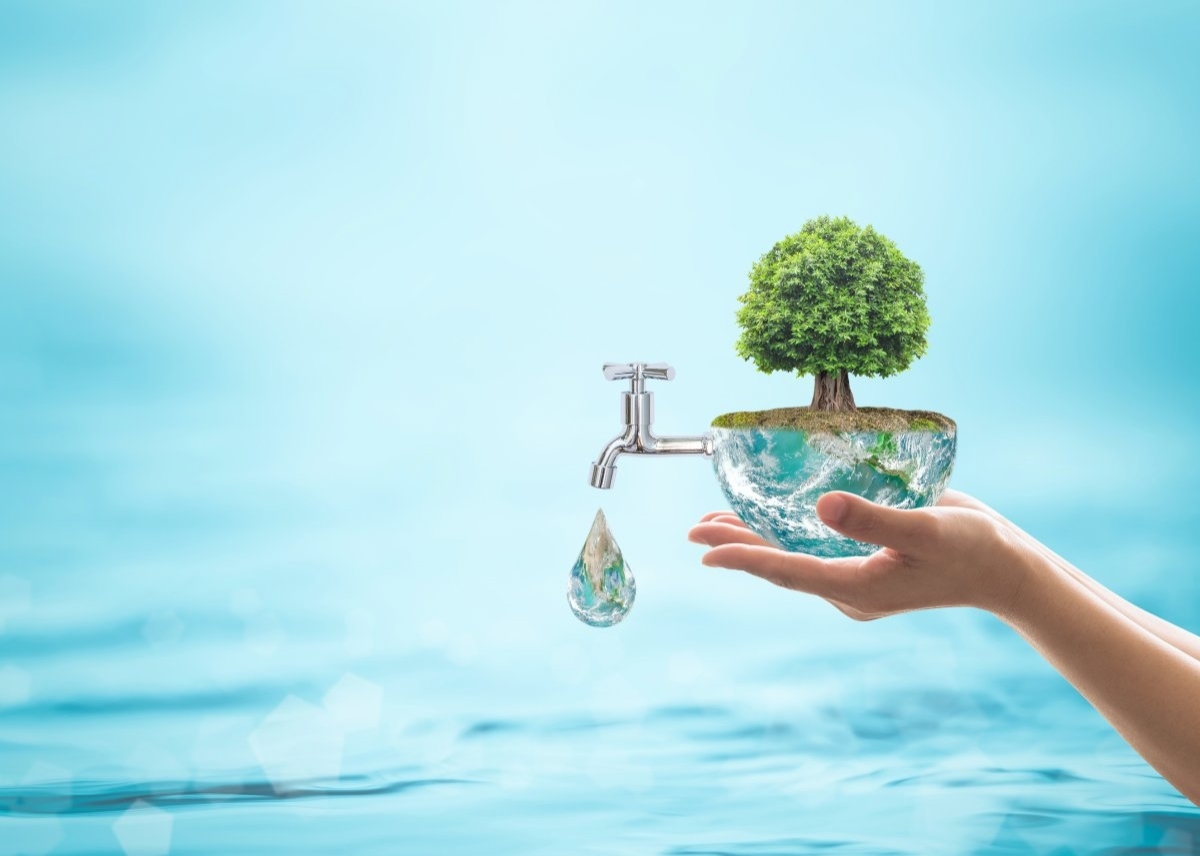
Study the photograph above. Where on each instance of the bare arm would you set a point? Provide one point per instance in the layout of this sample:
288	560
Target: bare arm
1147	688
1186	642
1140	672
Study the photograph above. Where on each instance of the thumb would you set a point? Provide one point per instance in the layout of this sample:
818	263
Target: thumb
864	520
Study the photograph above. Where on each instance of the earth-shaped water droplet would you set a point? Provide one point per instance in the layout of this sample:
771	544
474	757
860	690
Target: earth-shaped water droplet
601	588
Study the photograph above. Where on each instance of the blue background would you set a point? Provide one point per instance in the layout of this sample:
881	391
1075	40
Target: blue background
305	305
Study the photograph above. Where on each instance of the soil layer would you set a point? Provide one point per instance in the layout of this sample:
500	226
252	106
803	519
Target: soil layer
837	422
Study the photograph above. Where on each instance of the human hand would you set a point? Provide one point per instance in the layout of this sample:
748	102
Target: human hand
957	553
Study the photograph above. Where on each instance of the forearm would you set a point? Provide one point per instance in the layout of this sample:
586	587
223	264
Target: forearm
1187	642
1146	687
1170	633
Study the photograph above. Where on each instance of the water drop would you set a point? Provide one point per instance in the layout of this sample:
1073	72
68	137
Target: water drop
601	588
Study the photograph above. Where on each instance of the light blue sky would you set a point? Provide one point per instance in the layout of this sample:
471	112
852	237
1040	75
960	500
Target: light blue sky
322	292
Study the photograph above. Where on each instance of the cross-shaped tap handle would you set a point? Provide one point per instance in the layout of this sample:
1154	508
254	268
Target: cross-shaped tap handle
637	373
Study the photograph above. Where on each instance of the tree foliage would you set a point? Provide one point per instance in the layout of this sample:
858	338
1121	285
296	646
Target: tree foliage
834	297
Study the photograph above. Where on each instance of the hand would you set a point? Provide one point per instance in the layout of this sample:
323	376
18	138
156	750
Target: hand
958	553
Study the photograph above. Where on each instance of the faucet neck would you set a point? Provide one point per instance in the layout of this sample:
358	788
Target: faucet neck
637	411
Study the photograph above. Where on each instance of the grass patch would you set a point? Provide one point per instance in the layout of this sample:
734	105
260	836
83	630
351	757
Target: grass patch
837	422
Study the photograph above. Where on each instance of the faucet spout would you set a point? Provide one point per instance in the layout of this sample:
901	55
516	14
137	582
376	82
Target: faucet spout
605	466
634	442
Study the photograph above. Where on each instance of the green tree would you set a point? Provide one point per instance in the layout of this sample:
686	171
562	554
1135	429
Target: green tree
833	300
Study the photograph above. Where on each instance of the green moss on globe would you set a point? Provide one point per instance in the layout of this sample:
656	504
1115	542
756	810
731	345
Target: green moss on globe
838	422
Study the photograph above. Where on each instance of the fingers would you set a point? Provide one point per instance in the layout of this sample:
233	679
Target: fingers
901	529
717	532
725	516
958	499
795	571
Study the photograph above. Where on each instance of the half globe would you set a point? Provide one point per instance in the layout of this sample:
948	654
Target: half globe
773	466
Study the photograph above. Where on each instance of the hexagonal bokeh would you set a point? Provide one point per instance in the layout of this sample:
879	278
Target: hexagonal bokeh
298	743
144	830
354	702
47	785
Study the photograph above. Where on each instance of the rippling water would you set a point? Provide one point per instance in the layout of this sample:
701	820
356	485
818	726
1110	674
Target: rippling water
133	718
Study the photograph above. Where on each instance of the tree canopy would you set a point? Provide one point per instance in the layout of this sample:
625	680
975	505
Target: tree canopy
834	298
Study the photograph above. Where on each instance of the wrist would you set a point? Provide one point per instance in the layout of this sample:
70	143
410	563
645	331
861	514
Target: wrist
1020	574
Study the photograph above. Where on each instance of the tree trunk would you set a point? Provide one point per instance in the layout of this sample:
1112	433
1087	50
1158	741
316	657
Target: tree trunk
832	392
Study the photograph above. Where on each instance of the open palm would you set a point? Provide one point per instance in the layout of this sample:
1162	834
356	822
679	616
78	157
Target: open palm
928	557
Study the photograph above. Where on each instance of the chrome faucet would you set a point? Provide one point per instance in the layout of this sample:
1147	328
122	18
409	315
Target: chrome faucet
637	409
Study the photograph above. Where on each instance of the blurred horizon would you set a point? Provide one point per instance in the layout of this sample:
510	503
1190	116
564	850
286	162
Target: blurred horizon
254	273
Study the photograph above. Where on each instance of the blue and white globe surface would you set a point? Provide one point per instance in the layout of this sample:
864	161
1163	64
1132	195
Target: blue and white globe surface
773	478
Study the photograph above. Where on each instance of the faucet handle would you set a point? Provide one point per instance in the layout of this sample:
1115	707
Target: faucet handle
638	371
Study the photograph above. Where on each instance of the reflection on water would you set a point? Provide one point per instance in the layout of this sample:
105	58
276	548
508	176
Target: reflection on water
66	798
917	767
